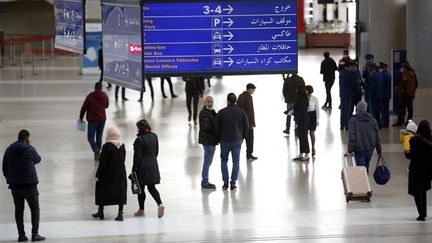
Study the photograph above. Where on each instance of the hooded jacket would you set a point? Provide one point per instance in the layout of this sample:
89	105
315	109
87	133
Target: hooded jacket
95	104
363	133
19	165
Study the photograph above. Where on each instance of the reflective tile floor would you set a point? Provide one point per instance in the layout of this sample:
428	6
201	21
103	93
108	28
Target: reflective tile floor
277	200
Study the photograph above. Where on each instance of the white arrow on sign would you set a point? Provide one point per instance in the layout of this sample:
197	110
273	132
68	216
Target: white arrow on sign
229	9
230	35
231	61
229	22
230	49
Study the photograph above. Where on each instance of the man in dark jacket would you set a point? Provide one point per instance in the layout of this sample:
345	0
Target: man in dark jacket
245	102
347	89
95	104
207	137
101	66
363	136
386	94
345	58
374	89
290	93
19	169
232	127
328	69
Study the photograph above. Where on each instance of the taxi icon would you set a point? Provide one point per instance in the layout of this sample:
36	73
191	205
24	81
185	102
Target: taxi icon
217	49
217	62
217	36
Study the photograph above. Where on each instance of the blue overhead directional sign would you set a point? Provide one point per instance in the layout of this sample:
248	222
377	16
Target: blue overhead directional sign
122	54
223	37
69	25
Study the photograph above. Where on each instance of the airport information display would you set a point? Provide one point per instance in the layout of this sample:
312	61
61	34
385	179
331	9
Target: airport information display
122	54
219	37
69	25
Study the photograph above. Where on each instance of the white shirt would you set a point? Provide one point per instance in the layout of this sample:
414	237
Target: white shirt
314	105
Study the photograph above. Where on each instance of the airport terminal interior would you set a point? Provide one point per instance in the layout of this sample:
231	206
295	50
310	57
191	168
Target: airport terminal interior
278	199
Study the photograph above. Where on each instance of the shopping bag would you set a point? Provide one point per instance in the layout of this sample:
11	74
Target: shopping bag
81	125
135	186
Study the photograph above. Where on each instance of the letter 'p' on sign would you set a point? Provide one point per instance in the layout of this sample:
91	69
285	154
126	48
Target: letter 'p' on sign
217	22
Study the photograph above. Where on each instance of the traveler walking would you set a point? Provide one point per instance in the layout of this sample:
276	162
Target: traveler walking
386	94
94	105
123	93
111	182
420	168
245	102
145	164
313	112
407	88
301	119
207	137
289	92
232	126
19	170
168	79
194	88
328	69
363	136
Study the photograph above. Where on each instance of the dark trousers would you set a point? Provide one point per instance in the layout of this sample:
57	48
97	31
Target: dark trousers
290	106
421	204
386	112
249	143
346	112
120	207
405	103
375	104
94	134
168	79
192	97
328	85
302	134
149	81
117	90
32	198
153	192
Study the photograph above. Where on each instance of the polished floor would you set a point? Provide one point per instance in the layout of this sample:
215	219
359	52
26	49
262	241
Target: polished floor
277	200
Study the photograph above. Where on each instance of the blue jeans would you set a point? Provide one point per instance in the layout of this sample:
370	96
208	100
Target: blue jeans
95	129
363	158
233	147
209	151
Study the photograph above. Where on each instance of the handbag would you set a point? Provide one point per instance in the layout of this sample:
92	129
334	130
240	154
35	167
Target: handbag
135	186
382	173
81	125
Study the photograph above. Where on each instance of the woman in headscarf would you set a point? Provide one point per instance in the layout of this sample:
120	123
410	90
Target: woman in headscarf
111	181
146	149
419	178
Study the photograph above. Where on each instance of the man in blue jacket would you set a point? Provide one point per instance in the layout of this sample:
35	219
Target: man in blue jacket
19	169
374	89
347	88
387	89
232	126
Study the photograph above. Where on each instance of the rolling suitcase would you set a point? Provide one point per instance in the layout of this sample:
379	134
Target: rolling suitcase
356	182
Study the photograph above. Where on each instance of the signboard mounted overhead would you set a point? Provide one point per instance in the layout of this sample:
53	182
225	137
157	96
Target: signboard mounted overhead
69	18
219	37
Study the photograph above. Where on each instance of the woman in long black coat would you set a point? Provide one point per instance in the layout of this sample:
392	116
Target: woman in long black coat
146	149
301	119
111	181
419	178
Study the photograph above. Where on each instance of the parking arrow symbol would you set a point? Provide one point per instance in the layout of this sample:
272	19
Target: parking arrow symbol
229	22
231	61
230	35
230	49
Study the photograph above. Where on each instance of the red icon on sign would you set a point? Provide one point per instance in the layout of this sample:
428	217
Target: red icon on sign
134	49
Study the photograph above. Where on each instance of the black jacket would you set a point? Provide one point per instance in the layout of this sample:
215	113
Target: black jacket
328	69
363	133
207	133
111	187
146	150
231	124
19	165
290	85
420	168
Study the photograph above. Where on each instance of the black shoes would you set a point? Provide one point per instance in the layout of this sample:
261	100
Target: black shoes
251	157
286	131
99	214
208	186
119	216
22	238
225	186
37	237
421	218
233	186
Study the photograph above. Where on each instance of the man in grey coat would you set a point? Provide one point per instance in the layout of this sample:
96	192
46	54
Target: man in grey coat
363	136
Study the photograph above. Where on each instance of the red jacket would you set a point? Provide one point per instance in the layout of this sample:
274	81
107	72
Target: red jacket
95	104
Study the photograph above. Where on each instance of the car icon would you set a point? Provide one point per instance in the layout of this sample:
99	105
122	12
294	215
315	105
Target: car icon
217	62
217	49
217	36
